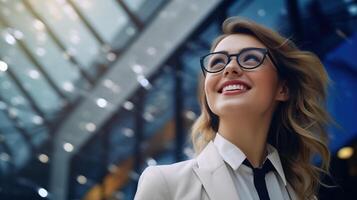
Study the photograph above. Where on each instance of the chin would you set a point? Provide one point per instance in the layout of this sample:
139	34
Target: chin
229	109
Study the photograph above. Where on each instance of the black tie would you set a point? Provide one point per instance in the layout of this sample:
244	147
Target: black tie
259	178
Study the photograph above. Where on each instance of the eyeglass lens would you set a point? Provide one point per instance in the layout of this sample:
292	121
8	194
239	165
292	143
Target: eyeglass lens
247	59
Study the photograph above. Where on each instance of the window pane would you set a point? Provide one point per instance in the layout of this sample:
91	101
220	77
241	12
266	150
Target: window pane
65	22
32	80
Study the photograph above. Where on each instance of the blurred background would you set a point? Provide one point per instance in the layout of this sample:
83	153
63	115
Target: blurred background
94	91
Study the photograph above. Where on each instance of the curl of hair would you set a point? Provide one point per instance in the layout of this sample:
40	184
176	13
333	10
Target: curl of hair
298	127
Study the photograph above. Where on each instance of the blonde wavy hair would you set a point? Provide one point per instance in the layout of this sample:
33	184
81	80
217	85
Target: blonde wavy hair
298	126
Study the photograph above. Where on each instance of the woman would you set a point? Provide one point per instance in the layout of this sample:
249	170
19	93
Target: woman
263	119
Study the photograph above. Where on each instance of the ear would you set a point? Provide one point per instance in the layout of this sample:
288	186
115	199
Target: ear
282	92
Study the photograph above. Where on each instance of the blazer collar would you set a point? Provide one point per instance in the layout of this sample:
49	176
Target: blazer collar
214	175
275	160
233	156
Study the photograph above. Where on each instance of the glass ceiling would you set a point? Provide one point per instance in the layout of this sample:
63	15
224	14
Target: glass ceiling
51	53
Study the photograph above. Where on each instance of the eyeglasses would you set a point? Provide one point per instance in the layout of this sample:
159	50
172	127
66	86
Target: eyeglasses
247	58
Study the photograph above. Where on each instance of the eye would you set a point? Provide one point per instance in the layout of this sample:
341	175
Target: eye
216	62
251	58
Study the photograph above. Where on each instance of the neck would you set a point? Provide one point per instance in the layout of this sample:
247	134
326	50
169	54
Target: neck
249	135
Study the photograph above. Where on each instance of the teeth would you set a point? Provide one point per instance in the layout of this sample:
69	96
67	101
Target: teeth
234	87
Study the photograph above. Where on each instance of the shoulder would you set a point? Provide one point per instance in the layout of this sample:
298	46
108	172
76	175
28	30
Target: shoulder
176	167
150	180
169	172
163	179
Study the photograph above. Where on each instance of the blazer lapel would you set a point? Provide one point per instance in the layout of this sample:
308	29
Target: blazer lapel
291	192
214	175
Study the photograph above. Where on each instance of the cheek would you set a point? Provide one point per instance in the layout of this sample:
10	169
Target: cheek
209	85
206	86
209	89
267	84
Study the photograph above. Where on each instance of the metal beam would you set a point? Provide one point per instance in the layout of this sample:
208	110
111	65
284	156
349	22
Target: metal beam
172	26
58	42
179	102
86	23
32	102
295	19
138	23
27	52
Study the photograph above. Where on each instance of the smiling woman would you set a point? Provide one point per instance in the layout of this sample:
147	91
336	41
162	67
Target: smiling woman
263	119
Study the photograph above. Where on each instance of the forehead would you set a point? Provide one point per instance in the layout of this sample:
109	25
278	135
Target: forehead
235	42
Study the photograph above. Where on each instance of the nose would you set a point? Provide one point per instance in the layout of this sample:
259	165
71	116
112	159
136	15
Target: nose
233	68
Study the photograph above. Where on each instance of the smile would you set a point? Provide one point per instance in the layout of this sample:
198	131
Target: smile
234	87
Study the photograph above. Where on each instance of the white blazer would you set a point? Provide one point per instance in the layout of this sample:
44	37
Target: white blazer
206	177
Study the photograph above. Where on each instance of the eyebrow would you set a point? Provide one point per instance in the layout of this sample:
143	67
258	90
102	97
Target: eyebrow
226	52
222	52
240	50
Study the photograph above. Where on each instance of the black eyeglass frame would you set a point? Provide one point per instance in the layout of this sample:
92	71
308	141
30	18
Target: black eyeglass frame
262	50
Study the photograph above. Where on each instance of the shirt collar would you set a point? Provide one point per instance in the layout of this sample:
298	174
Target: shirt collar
234	157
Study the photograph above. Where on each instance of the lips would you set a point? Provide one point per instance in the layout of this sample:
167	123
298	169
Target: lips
234	86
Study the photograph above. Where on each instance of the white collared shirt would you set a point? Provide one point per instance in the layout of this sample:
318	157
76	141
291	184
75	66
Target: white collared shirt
234	157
